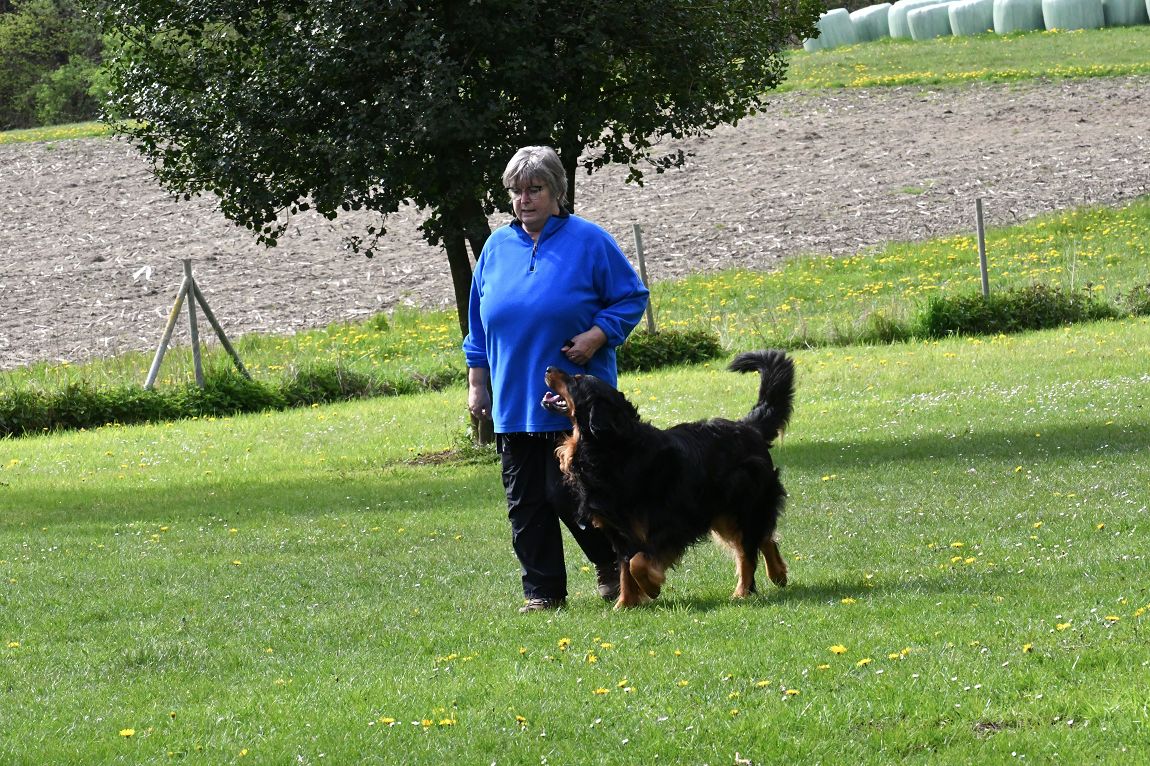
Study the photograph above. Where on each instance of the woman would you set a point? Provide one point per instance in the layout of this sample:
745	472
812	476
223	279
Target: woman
549	288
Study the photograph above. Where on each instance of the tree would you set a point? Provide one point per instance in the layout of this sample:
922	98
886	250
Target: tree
277	107
49	54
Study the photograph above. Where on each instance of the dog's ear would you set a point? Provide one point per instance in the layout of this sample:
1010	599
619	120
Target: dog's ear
602	418
609	413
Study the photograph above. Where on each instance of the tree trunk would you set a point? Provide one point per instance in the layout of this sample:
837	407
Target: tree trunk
456	246
570	160
472	230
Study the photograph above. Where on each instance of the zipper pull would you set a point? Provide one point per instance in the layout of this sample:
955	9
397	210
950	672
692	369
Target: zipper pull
534	249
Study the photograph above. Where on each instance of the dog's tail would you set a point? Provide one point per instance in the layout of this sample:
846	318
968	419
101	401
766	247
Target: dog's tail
776	390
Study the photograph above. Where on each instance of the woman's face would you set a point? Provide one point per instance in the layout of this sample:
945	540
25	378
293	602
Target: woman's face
533	204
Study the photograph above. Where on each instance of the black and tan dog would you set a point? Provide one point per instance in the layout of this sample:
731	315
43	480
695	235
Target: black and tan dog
656	492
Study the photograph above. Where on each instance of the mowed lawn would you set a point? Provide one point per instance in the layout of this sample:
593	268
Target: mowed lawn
967	535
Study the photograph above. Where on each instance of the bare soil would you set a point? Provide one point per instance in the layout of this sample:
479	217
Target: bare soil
91	247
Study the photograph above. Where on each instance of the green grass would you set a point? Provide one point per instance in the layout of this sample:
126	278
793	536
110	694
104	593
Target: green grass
55	133
810	301
983	58
967	522
828	300
967	519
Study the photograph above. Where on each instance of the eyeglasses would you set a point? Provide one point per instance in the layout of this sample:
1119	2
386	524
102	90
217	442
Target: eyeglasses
530	191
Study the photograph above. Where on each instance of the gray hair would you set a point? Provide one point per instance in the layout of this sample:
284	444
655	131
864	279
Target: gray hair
541	163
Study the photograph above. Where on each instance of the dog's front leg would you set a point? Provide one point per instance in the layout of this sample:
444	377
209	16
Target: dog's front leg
630	594
648	573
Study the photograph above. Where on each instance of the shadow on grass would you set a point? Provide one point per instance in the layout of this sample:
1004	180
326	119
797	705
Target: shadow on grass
828	592
1072	440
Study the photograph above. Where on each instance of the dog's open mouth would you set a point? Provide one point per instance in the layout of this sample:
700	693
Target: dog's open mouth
554	403
555	400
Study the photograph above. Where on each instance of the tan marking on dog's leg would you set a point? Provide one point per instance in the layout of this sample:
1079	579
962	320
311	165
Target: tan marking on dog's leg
725	530
776	567
647	574
630	594
745	569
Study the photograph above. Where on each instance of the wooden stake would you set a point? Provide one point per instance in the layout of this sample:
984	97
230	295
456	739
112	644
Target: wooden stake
173	315
643	274
197	364
982	248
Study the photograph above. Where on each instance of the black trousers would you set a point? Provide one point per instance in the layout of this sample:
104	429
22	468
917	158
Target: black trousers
537	500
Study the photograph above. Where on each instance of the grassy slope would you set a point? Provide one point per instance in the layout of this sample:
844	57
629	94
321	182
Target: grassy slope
967	522
285	584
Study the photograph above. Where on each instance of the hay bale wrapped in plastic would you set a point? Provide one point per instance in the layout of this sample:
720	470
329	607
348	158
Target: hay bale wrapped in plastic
896	17
835	29
1126	13
1017	16
971	17
930	21
871	22
1072	14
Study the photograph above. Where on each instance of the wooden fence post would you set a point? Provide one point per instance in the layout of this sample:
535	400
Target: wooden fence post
982	247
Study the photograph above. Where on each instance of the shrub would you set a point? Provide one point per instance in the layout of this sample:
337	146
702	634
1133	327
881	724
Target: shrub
1036	307
323	383
875	328
648	351
1136	302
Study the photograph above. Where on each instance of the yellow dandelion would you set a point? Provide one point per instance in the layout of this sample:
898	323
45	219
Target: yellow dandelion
1027	648
1112	618
520	720
863	662
761	684
824	667
564	643
127	733
838	649
683	682
13	644
1062	626
387	721
791	692
601	690
849	600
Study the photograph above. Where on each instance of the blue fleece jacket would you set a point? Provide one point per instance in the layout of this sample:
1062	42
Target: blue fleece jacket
528	299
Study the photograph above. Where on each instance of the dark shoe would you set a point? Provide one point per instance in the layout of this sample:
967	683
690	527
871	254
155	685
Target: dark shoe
542	605
608	577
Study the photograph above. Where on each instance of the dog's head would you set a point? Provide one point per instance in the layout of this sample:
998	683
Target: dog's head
596	408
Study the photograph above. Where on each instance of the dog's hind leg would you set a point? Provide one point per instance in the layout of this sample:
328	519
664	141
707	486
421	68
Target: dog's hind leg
648	573
776	567
745	562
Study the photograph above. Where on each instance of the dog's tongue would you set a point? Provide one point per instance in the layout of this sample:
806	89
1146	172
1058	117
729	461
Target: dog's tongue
554	400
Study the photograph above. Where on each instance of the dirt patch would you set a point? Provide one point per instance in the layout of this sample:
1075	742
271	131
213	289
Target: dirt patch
91	247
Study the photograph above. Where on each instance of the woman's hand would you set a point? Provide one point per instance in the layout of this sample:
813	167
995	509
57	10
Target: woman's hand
478	393
584	346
